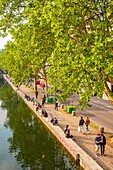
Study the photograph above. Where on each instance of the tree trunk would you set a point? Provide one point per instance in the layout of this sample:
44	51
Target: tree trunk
108	93
46	85
35	83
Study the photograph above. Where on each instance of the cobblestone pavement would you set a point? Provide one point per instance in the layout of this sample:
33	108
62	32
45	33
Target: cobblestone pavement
85	141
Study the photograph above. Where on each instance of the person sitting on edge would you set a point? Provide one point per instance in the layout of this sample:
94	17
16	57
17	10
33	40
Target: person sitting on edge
35	103
32	99
44	113
55	122
66	128
68	135
39	105
50	118
40	110
37	108
26	96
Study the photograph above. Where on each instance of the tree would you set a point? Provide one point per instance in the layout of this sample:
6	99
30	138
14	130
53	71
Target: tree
75	39
31	47
83	58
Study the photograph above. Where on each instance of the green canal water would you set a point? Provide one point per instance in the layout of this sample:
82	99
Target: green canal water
25	143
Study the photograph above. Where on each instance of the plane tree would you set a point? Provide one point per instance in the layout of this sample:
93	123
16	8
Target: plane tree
31	46
82	61
75	38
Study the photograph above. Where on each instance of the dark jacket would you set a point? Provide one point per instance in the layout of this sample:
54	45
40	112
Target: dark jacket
81	122
103	140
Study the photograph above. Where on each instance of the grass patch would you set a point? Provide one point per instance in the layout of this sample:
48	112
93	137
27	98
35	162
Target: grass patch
110	140
93	126
32	90
89	105
111	136
26	86
63	111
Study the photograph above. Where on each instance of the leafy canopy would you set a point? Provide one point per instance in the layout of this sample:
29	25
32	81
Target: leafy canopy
74	38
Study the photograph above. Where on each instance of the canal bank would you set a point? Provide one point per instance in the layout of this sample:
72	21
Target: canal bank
85	160
25	142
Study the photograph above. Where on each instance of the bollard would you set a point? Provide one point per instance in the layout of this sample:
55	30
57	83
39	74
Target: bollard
73	113
78	161
101	129
62	106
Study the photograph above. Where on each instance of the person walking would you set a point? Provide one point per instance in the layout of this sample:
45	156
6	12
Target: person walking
97	144
102	144
43	100
43	86
87	122
56	104
36	93
81	125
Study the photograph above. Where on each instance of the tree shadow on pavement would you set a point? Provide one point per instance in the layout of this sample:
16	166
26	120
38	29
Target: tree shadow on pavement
109	156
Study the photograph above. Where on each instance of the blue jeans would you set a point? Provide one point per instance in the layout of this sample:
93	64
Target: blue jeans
87	128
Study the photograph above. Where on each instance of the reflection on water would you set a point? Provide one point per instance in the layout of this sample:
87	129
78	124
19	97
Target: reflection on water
24	142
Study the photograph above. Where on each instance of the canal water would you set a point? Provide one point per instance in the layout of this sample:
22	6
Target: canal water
25	143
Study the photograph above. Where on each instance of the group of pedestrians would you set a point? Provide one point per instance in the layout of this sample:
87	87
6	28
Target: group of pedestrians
81	125
52	120
100	142
100	139
43	99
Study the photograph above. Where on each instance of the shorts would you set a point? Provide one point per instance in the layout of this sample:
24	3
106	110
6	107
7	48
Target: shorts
97	148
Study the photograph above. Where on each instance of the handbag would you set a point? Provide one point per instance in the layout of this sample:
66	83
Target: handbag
79	129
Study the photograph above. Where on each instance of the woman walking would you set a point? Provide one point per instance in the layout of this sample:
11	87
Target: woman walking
87	122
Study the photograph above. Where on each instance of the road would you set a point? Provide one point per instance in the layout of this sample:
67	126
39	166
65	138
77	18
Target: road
100	113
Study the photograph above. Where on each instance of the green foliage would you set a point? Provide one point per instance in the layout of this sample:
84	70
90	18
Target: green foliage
71	41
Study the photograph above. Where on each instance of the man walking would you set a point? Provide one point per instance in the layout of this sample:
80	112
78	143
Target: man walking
44	100
81	125
102	144
56	104
36	93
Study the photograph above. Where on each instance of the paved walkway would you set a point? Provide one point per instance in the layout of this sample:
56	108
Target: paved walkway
101	111
86	141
